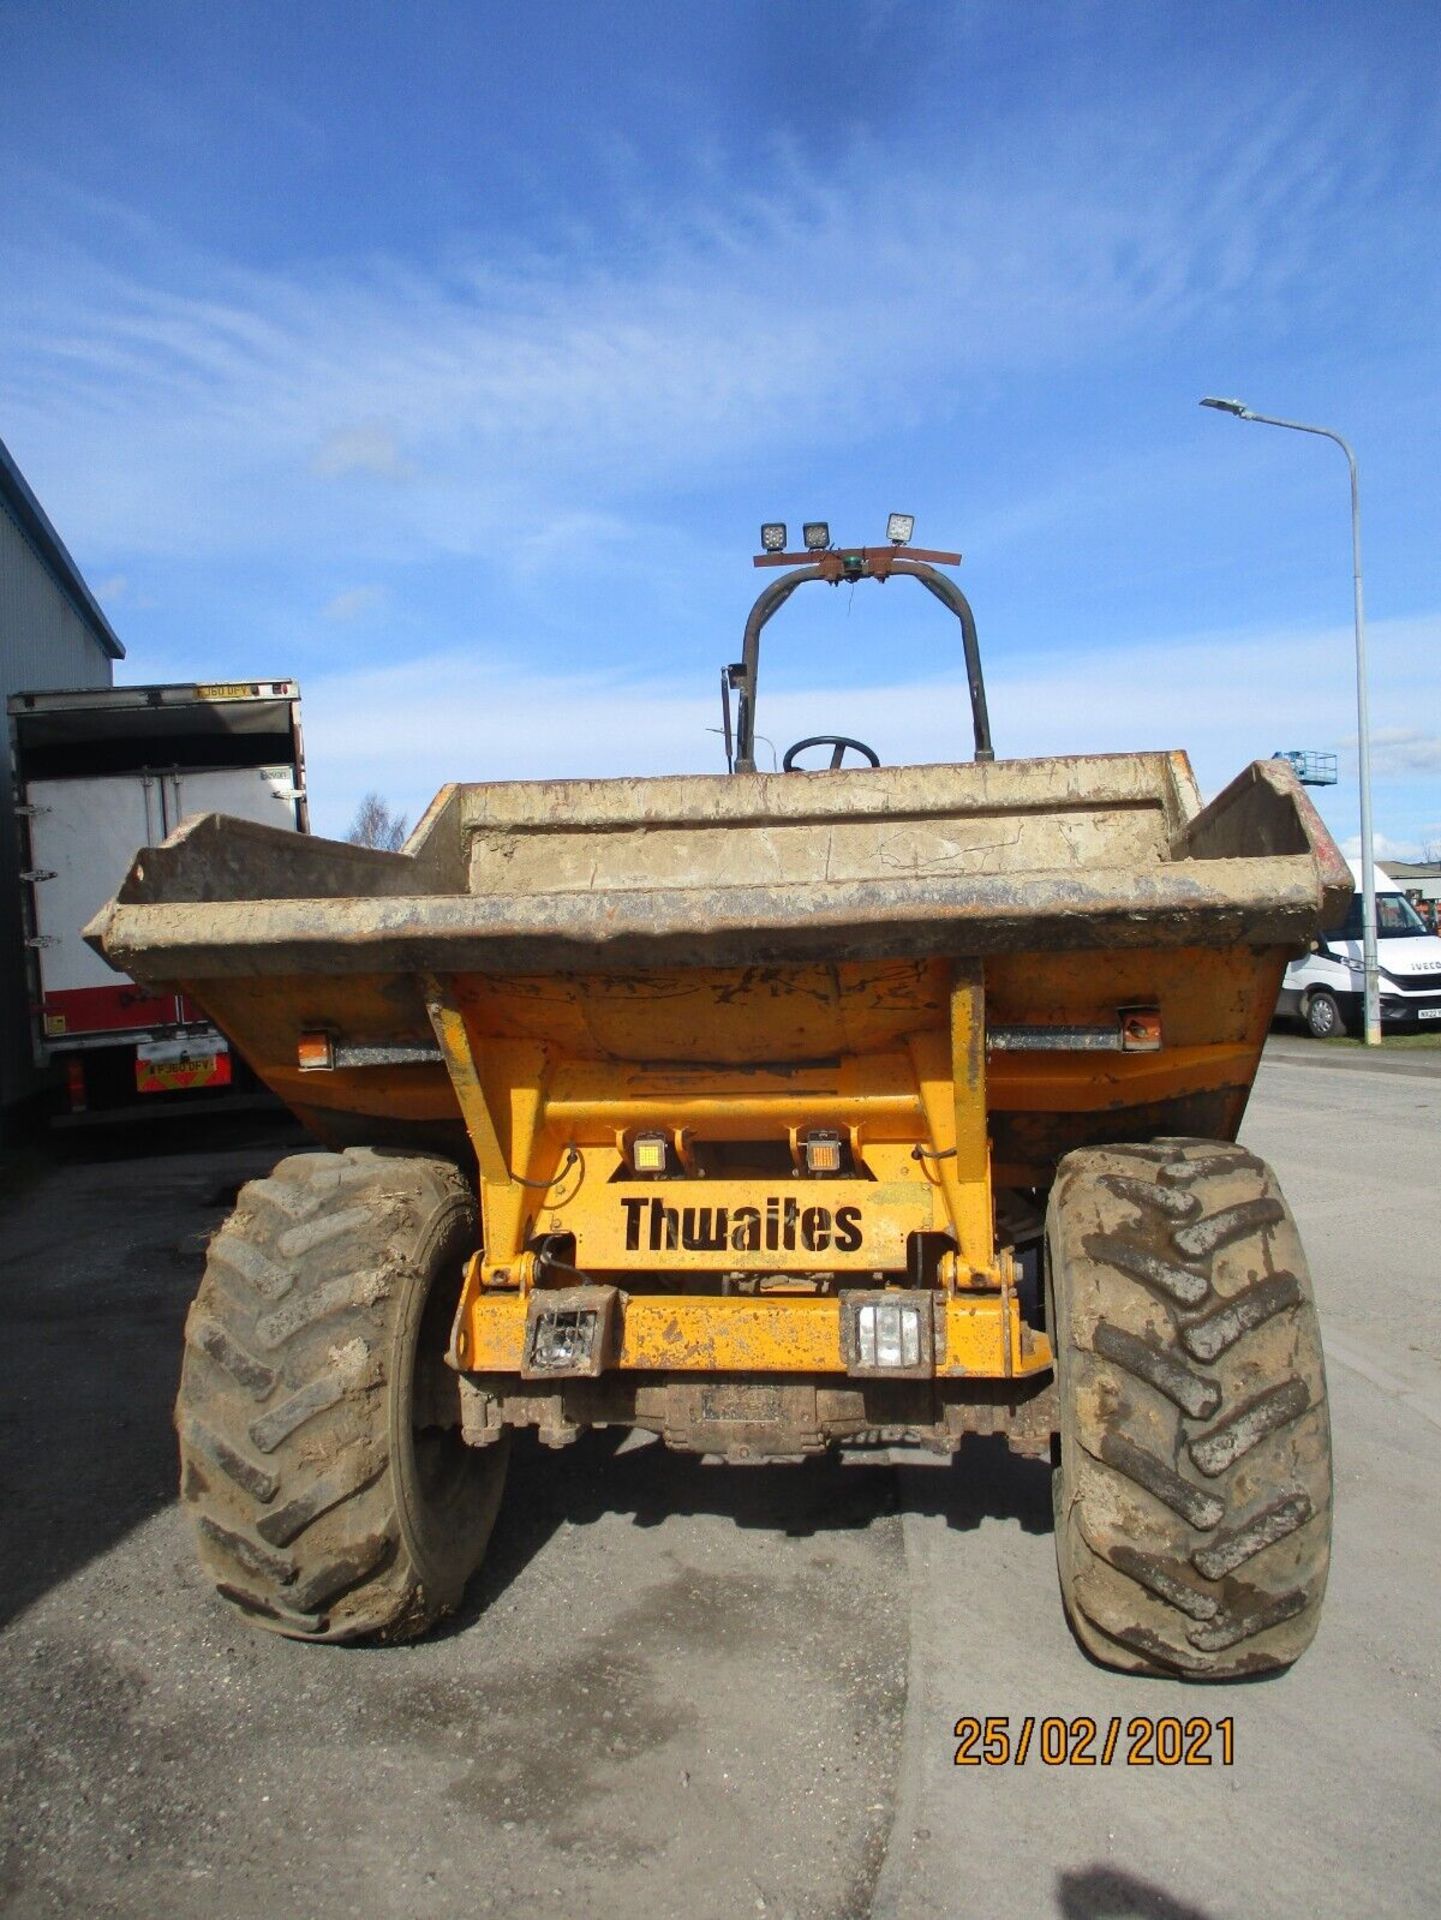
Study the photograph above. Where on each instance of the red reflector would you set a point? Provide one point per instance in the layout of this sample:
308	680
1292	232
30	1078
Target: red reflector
75	1096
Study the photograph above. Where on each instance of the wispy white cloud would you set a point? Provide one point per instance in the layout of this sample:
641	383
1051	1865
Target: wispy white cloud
1383	847
117	591
1225	698
276	411
1403	750
355	603
370	446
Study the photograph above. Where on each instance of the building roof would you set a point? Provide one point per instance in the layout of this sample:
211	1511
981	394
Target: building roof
33	521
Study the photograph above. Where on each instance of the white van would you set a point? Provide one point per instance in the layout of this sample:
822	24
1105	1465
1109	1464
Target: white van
1326	988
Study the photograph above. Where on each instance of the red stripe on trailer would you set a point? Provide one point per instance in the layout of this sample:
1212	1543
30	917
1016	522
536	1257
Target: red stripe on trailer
81	1010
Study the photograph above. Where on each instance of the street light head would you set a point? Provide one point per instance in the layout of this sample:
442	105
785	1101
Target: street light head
1238	407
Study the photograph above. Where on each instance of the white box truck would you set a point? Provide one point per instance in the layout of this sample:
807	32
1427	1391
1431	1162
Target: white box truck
1326	987
98	774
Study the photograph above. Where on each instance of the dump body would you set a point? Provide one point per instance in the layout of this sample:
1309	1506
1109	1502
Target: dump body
956	974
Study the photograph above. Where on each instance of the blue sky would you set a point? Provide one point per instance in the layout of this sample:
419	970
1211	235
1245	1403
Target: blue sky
447	357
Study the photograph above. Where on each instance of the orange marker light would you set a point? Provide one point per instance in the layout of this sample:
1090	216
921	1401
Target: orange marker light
316	1053
1141	1030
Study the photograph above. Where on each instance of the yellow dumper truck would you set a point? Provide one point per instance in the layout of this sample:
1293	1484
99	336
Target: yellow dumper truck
767	1112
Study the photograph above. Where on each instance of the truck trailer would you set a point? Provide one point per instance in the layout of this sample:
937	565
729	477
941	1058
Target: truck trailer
96	773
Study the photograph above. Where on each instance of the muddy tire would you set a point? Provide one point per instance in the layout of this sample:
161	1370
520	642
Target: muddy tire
321	1458
1193	1493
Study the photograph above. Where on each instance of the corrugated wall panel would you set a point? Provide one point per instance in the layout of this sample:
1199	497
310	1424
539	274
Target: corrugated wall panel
44	644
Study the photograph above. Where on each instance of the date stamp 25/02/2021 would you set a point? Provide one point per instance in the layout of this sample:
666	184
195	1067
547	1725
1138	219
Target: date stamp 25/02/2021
1143	1740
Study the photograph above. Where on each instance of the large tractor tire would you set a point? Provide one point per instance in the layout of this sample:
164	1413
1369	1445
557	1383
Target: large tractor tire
1193	1492
321	1457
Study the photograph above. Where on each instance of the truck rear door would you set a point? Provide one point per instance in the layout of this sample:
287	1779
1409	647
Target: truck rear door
264	794
83	833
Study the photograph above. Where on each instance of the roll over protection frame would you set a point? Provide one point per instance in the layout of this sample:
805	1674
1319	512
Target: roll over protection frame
878	566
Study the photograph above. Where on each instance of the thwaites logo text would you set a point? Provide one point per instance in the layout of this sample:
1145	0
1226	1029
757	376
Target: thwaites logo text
783	1225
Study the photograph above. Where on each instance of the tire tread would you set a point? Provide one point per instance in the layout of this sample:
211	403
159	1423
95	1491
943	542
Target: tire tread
287	1410
1194	1490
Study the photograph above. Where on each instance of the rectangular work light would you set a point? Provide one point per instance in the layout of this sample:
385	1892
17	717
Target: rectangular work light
649	1153
773	536
899	528
817	535
822	1149
887	1333
569	1330
562	1339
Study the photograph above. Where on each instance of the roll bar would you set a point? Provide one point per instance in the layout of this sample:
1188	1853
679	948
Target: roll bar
879	565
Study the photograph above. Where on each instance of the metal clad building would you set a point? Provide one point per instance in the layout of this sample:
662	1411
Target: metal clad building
1416	876
52	636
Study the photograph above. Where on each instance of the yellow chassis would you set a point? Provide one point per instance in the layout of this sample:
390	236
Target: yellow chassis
551	1137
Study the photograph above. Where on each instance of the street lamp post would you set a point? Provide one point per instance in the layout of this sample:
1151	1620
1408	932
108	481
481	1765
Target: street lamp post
1368	859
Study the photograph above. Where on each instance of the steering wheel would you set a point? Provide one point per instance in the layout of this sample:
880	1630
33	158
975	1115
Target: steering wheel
837	741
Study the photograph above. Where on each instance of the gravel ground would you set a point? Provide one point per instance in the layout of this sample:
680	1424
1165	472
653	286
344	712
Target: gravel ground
673	1685
689	1689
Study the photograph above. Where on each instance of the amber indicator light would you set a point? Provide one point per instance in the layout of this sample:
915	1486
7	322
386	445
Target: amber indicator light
315	1053
1141	1030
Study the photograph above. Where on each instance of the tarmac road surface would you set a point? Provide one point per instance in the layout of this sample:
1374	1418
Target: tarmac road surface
689	1689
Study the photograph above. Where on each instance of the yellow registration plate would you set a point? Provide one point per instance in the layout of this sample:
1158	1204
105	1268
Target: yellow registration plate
169	1066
